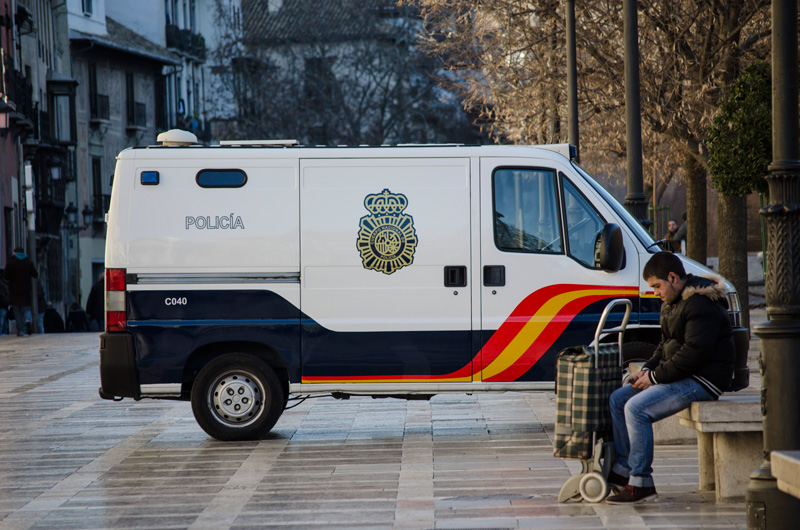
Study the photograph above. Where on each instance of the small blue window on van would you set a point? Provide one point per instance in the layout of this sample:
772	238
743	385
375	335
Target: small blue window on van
221	178
149	178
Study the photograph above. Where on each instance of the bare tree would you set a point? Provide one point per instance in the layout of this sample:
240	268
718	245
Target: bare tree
334	72
506	58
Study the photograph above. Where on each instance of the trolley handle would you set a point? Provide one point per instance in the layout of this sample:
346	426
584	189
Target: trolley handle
620	329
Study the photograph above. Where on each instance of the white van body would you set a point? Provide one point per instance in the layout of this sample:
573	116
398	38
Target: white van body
384	271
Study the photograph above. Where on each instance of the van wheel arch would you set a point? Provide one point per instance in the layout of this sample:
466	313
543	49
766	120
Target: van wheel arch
207	353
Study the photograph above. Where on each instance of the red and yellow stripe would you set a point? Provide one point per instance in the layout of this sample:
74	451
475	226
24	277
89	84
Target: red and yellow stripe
522	339
536	323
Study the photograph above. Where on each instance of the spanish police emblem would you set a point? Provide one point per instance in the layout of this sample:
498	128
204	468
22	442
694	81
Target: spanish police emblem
387	238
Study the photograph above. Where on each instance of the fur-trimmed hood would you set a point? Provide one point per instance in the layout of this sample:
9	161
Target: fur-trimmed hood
711	285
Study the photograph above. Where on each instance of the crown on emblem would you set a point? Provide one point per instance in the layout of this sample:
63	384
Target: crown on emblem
385	203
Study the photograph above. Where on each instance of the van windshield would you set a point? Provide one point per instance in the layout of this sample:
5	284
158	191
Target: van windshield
641	234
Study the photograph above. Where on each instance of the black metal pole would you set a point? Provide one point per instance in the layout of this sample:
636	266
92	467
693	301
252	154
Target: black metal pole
635	200
572	80
767	506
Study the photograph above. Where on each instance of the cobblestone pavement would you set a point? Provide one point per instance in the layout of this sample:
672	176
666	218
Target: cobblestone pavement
71	460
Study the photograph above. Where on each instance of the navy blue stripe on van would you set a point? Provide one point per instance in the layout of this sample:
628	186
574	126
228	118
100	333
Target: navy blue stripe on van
169	327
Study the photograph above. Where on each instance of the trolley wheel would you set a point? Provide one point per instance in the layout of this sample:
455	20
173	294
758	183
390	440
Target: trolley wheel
593	487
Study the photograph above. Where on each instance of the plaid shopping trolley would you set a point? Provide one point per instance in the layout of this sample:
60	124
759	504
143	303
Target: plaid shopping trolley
585	378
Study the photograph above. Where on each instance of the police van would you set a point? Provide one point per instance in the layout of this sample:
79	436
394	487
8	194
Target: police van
243	275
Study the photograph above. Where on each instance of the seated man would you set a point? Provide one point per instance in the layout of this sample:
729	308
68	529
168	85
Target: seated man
693	362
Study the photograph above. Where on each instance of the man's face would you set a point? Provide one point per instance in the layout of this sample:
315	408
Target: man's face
668	289
672	226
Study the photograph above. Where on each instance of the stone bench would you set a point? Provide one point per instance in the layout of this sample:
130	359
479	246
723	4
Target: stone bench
785	466
729	443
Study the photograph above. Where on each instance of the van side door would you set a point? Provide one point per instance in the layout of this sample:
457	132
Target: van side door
385	262
540	289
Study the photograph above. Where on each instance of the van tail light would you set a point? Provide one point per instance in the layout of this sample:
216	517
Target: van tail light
116	316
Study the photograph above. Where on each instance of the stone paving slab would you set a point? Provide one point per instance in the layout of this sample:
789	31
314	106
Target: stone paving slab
71	460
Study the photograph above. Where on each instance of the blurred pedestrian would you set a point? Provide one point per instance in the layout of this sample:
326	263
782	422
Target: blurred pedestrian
76	320
95	305
53	323
41	305
19	272
672	229
4	301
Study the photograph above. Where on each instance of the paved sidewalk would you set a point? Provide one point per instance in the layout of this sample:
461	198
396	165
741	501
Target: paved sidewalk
71	460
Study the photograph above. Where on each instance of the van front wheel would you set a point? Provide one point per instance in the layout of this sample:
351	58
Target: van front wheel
237	397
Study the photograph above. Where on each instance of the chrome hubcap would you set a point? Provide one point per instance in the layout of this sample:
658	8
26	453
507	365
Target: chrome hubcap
237	398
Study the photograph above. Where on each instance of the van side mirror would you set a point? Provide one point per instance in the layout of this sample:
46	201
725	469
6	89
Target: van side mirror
609	252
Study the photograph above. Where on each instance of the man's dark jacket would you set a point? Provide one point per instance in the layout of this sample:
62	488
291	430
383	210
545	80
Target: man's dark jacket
696	337
19	271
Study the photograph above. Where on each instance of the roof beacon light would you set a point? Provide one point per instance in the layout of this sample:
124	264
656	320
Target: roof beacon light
176	137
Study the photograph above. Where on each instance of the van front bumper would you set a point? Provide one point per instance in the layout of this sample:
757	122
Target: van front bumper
118	376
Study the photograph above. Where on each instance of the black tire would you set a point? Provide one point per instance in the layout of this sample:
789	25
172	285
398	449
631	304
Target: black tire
237	397
635	352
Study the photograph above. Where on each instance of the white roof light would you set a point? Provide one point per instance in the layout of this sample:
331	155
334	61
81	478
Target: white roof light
177	137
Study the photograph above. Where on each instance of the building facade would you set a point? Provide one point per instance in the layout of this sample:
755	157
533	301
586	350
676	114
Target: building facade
123	101
38	139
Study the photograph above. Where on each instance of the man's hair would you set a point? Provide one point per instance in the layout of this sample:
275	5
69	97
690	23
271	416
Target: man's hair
18	250
661	264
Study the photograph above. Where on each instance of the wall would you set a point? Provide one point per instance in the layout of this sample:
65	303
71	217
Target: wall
94	24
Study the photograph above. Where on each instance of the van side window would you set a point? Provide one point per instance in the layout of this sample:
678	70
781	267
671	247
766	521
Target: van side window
221	178
583	224
526	211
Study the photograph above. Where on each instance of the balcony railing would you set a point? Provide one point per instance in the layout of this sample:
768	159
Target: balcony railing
98	107
173	36
137	116
20	91
183	40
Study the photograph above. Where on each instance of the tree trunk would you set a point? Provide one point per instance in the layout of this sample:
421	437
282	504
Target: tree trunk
732	221
696	216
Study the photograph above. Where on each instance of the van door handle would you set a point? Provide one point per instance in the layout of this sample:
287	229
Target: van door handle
494	275
455	276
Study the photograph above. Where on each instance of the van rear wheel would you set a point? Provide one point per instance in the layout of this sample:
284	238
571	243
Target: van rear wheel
237	397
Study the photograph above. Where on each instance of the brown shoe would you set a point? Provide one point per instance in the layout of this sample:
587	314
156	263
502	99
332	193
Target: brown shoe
633	495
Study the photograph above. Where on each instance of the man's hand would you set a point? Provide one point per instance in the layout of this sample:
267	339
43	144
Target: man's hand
641	380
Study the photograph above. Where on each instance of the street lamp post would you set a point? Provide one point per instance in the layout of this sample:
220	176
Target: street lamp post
635	200
572	81
767	506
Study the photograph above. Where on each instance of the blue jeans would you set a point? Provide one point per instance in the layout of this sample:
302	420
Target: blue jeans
22	314
632	415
